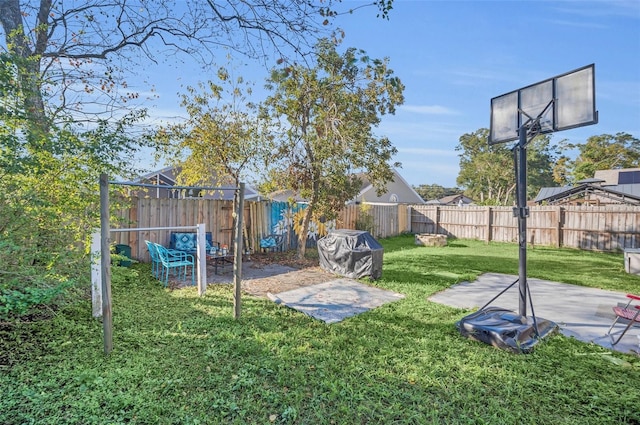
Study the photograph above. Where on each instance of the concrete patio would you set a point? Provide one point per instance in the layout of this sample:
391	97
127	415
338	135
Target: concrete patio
580	312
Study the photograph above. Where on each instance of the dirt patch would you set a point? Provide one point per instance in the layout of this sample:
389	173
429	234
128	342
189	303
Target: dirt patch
288	258
292	279
271	272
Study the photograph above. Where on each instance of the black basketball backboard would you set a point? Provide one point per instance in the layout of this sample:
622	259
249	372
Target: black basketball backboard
559	103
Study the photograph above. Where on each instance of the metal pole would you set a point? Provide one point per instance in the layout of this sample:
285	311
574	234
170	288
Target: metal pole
523	213
238	247
105	259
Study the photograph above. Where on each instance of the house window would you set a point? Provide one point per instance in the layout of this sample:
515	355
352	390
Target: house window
628	177
393	198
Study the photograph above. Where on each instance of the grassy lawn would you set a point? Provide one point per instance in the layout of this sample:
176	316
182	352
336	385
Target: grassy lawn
182	359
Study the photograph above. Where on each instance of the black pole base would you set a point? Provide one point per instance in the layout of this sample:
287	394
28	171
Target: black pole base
505	329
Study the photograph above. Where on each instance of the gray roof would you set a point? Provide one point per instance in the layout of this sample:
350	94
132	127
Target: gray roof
629	189
166	178
591	180
286	195
451	200
550	192
623	193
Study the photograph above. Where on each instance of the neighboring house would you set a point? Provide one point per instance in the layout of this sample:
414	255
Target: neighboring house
167	177
621	176
397	191
606	187
459	200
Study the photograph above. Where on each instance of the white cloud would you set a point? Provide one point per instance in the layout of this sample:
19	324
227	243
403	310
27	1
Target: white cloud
578	24
163	116
601	9
420	130
428	152
429	109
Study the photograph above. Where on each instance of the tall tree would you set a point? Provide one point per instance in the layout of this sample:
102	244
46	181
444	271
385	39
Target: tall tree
328	114
542	155
48	198
487	171
222	138
601	152
222	141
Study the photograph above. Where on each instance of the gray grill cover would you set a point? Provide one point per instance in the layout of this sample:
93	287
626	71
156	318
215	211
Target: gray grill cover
351	253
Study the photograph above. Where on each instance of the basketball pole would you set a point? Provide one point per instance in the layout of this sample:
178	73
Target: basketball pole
523	213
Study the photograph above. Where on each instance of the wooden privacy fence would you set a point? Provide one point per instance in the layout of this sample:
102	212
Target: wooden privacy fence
605	228
387	219
170	212
261	218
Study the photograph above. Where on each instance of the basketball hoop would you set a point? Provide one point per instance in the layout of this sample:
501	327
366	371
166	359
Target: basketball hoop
559	103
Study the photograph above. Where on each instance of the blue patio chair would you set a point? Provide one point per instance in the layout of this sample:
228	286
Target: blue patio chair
155	259
156	264
177	261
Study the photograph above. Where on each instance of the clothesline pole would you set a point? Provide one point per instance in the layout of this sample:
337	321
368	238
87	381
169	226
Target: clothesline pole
238	248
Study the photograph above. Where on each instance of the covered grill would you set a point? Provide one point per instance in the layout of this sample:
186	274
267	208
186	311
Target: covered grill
351	253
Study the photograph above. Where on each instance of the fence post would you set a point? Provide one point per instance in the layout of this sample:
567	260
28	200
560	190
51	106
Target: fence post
134	238
487	220
402	218
558	226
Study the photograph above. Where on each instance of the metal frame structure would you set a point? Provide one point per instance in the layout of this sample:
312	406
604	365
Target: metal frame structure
105	254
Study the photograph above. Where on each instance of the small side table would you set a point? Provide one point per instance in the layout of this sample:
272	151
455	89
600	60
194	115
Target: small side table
219	260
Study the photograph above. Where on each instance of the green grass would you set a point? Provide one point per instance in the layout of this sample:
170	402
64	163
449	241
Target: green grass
182	359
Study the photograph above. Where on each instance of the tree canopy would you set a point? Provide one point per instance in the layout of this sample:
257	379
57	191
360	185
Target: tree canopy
80	51
48	198
487	171
326	115
435	191
222	137
602	152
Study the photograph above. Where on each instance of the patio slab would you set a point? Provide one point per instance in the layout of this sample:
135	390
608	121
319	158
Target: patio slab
335	300
580	312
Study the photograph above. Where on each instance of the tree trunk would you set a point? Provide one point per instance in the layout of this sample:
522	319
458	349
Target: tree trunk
26	60
304	229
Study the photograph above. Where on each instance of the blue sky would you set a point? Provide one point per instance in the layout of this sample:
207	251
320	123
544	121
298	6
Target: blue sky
454	56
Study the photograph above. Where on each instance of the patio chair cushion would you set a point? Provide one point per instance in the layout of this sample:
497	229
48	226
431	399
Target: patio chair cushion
188	241
272	242
268	242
